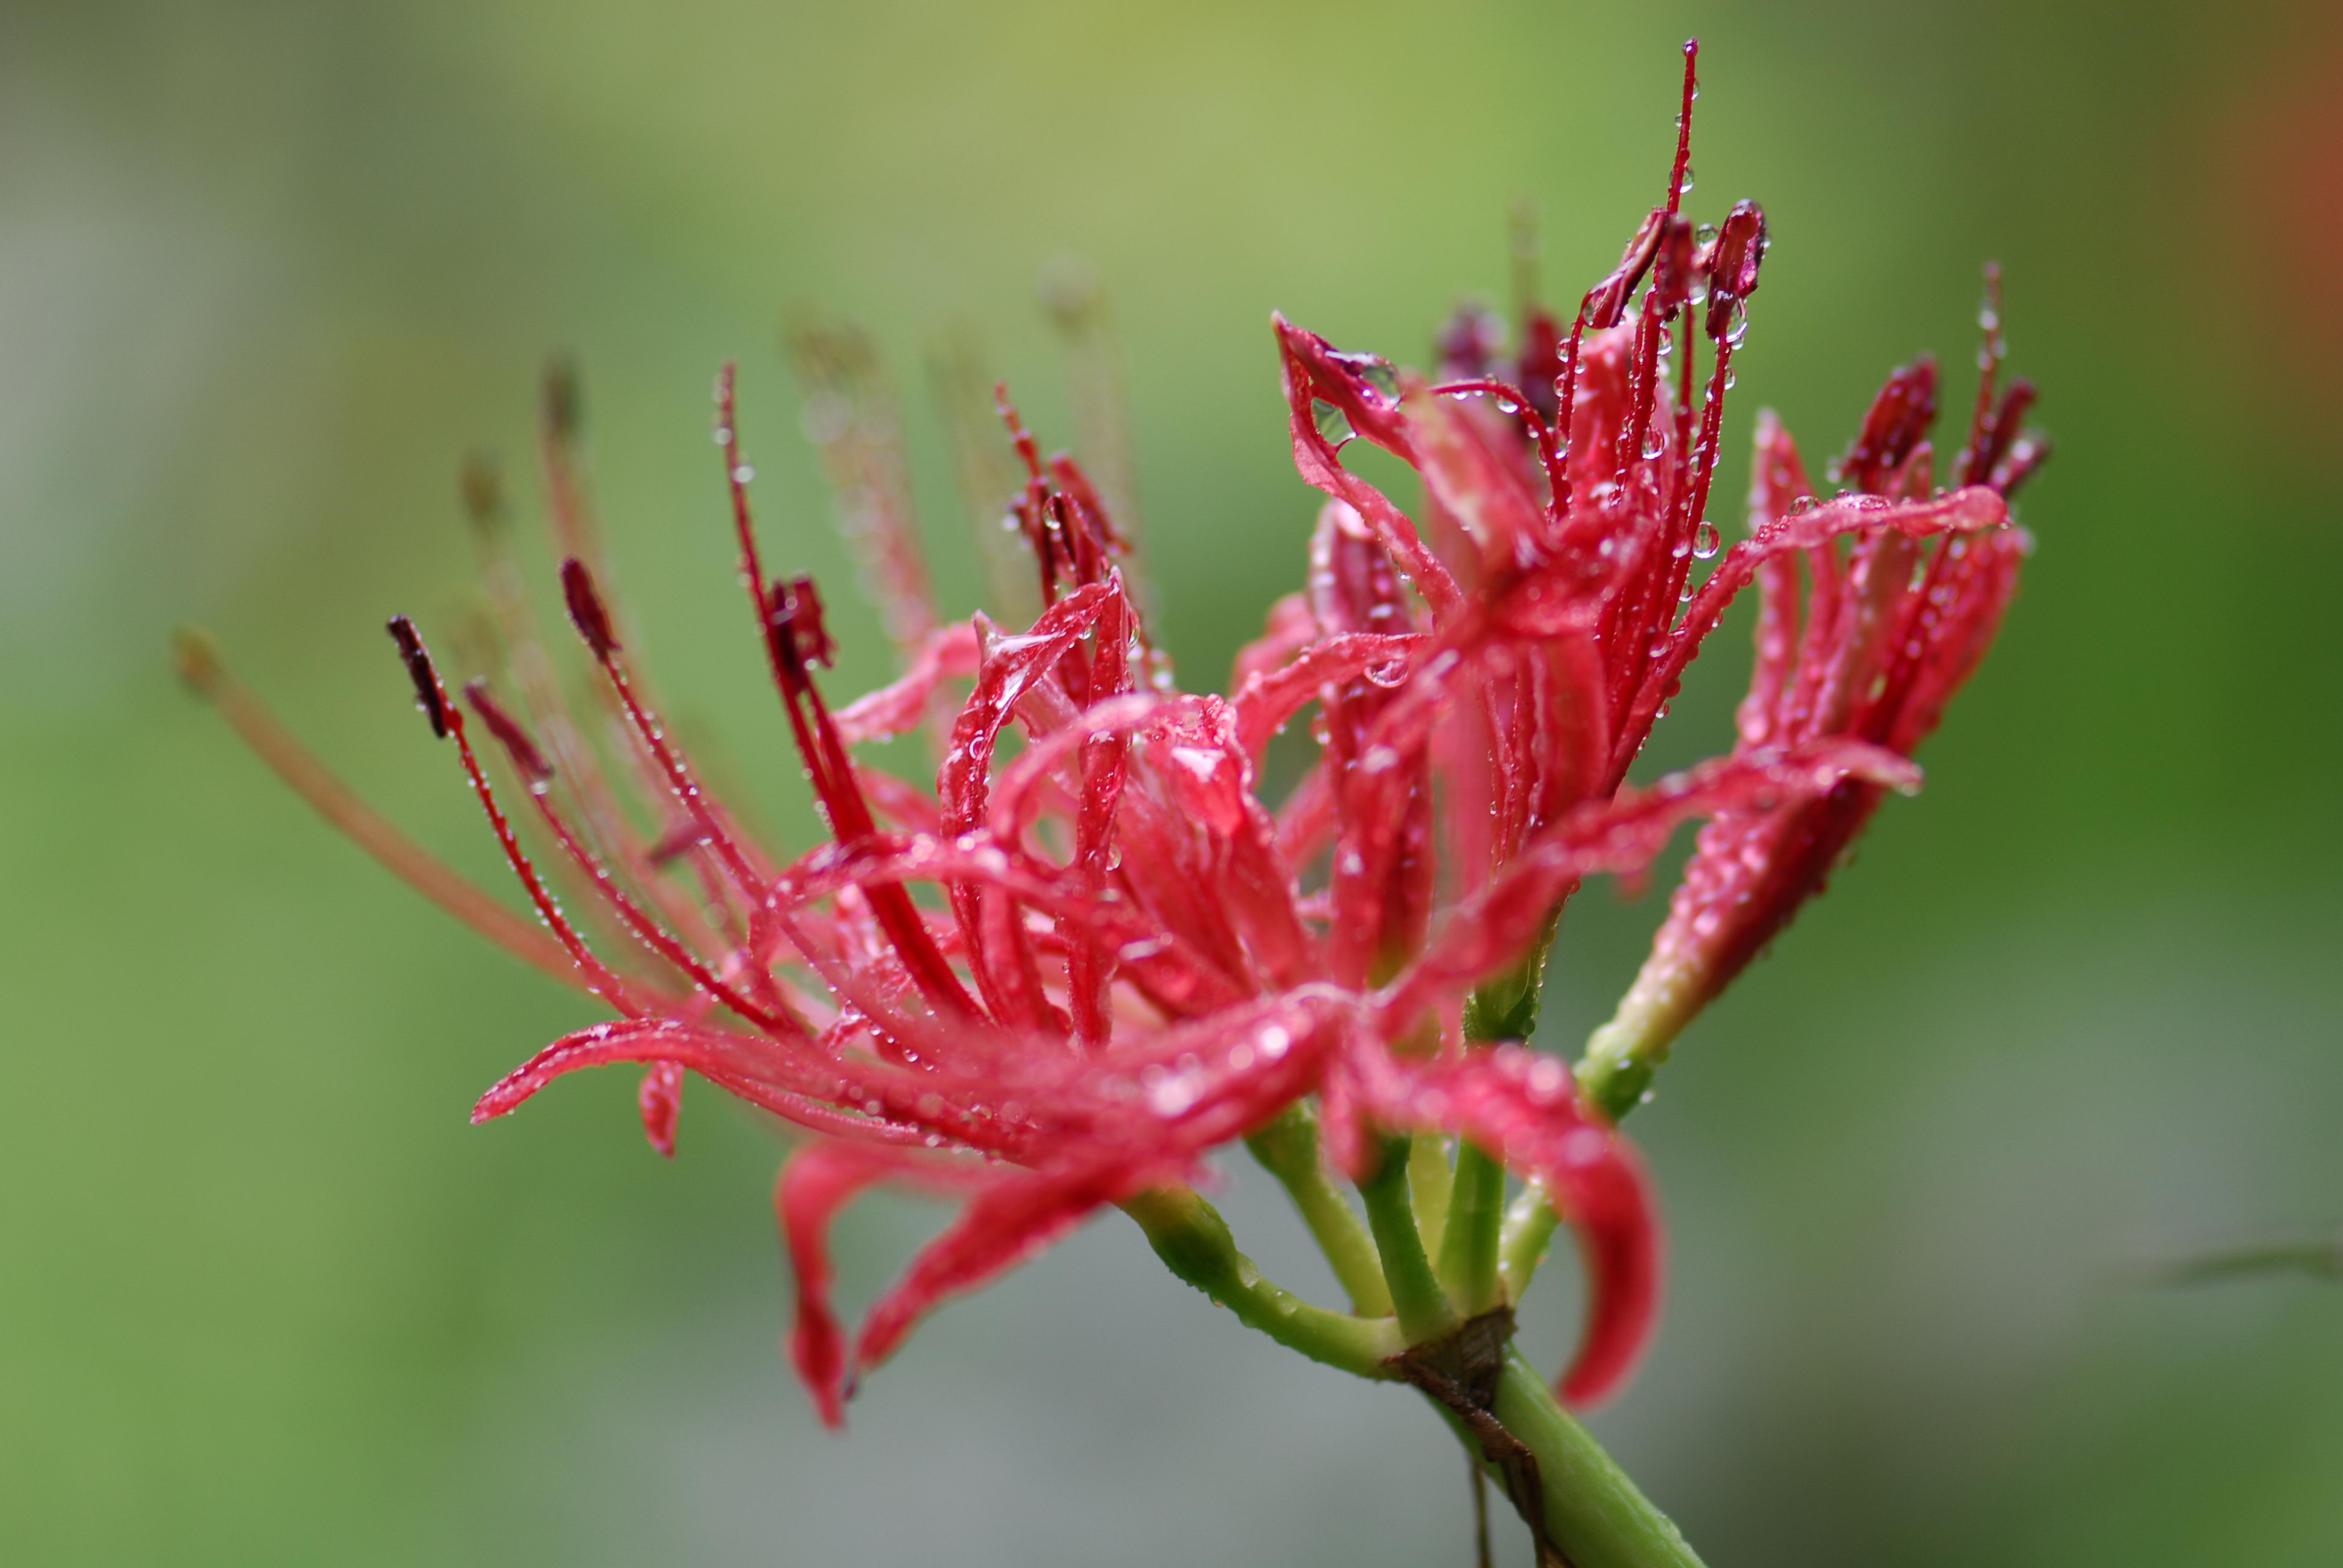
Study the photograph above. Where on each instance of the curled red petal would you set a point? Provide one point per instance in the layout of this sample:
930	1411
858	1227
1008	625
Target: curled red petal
1621	834
788	1079
1270	698
1316	372
900	707
1002	1227
1288	629
1014	804
1971	509
816	1182
1522	1107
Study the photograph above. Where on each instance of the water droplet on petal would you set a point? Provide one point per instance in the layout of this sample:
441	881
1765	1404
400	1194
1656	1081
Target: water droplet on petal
1333	424
1705	540
1372	368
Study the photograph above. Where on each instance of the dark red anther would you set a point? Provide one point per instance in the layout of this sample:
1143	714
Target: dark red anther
529	761
1900	415
2026	454
676	842
793	625
586	611
1606	302
1541	362
1467	346
562	399
1672	266
2000	432
482	489
1731	262
427	695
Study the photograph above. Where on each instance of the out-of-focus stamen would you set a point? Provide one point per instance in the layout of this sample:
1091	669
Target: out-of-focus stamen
200	666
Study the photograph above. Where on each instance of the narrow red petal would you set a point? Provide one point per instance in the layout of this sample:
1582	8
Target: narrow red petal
660	1097
817	1181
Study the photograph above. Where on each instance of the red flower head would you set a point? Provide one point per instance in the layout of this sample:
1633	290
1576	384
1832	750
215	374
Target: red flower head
1890	630
1567	513
1123	957
1123	970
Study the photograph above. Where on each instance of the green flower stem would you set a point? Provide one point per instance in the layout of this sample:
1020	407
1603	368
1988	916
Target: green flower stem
1288	1149
1423	1308
1430	1181
1529	1226
1622	1055
1468	1244
1469	1251
1194	1243
1592	1511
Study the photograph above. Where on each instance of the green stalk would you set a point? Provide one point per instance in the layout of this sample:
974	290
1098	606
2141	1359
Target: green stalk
1469	1245
1288	1149
1429	1182
1529	1226
1469	1265
1424	1313
1194	1243
1592	1511
1616	1072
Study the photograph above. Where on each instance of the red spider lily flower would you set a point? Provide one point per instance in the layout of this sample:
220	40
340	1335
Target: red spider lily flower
1070	1027
1890	630
1057	981
1125	970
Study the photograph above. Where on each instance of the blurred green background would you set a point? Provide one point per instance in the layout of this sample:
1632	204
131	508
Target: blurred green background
266	270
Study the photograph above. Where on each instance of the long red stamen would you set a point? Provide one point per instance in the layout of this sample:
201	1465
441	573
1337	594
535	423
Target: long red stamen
447	720
593	622
1042	534
1677	175
1566	399
789	641
201	666
1990	354
795	637
530	763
